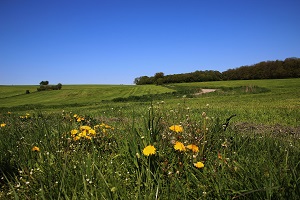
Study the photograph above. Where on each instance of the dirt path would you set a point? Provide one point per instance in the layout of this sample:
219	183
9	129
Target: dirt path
203	91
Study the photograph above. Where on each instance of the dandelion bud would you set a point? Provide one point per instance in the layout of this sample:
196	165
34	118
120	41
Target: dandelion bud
137	155
113	189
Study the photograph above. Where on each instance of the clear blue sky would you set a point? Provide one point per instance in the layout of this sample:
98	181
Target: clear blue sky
115	41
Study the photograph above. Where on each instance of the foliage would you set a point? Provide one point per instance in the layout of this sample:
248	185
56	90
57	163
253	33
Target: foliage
197	76
44	82
44	87
289	68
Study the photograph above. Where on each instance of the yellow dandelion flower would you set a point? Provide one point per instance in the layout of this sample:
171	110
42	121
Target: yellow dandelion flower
176	128
82	133
35	148
3	125
85	128
179	146
74	132
199	165
75	116
149	150
193	147
102	125
107	127
76	138
88	137
92	132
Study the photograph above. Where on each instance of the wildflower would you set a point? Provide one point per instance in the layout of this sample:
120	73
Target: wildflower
82	134
27	115
74	132
85	128
149	150
88	137
199	165
176	128
35	148
137	155
92	132
75	116
3	125
102	125
193	147
107	127
76	138
179	146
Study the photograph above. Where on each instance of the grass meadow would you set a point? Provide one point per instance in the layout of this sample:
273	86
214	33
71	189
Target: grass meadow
152	142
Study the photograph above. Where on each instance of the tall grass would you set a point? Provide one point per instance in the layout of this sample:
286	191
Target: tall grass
41	158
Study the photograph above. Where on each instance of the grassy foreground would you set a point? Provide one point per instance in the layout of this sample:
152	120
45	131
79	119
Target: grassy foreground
176	147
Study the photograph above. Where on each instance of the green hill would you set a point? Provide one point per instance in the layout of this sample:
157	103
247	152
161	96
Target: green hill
73	94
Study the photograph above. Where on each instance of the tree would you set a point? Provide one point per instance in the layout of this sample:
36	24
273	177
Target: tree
44	82
158	78
159	75
59	86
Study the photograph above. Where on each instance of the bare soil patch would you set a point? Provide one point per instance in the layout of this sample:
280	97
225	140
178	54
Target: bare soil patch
204	91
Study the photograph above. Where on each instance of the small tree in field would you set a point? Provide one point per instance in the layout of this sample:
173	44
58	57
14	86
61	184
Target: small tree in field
44	82
59	85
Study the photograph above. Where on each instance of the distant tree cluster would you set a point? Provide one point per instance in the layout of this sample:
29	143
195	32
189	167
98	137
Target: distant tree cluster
289	68
44	85
197	76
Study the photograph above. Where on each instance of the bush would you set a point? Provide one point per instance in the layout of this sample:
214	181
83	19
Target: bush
49	87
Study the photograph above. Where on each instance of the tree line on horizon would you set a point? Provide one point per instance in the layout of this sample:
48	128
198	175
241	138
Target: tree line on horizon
289	68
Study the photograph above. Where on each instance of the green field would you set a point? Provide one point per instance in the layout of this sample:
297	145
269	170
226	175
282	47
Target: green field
91	141
269	101
70	94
